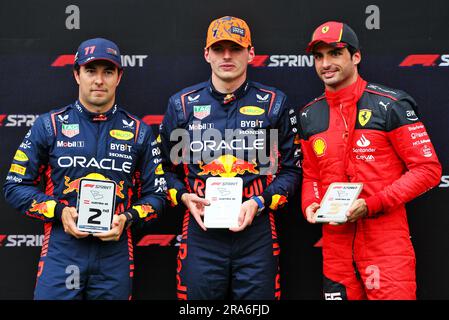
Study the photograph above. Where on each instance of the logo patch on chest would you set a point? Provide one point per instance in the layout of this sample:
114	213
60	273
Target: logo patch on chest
201	112
319	147
70	130
251	111
364	116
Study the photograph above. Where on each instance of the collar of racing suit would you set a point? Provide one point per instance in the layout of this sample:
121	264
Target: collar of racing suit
93	116
348	95
226	98
344	104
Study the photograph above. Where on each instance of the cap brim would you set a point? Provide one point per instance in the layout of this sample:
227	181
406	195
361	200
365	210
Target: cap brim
313	43
232	40
96	59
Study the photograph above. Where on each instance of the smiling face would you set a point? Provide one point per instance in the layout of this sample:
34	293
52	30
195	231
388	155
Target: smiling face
335	66
228	61
97	82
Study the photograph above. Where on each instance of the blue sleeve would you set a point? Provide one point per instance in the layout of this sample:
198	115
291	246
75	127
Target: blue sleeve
29	166
150	184
287	177
171	157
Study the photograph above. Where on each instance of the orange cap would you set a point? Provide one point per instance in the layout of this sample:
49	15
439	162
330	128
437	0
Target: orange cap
229	28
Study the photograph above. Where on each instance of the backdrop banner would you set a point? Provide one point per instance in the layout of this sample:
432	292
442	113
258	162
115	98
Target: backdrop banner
404	45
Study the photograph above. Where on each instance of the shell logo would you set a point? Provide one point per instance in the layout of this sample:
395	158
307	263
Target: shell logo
319	146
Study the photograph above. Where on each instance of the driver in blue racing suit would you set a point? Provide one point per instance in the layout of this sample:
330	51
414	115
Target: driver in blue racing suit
90	138
227	127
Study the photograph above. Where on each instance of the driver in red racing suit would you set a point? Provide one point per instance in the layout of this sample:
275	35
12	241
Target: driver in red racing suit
363	132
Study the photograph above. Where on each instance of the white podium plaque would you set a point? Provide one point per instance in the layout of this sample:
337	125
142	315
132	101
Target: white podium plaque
96	204
338	199
225	197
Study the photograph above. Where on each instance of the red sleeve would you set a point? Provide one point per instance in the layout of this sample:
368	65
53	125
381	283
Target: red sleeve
412	143
311	185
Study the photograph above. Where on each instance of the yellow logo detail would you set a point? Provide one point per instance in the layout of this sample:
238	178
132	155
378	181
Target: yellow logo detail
319	146
121	135
278	201
325	29
45	208
18	169
172	196
159	169
252	111
144	210
364	116
297	139
21	156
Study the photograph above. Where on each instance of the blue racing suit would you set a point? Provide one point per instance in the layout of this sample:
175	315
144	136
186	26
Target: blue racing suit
251	134
62	147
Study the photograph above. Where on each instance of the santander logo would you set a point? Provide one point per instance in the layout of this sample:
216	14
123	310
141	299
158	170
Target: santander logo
363	142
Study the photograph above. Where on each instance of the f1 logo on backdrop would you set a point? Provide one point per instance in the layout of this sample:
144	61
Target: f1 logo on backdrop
17	120
426	60
150	119
135	60
162	240
2	239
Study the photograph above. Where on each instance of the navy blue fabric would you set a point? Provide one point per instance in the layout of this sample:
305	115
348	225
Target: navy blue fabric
221	264
76	269
62	147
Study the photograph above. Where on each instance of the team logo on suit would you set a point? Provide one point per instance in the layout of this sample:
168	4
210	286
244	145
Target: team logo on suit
319	146
364	116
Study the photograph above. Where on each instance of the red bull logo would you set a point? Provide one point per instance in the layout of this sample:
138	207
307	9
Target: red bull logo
146	208
240	167
278	201
227	166
75	184
46	208
214	168
40	207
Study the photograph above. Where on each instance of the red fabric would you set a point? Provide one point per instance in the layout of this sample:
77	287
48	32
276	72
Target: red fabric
401	170
312	190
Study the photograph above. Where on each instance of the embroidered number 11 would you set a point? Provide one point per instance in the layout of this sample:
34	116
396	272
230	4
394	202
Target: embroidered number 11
89	50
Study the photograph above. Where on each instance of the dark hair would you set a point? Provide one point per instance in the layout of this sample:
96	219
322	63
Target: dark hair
76	67
352	51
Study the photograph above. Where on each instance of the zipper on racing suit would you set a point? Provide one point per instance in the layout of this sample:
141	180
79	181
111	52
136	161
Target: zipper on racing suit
345	136
354	264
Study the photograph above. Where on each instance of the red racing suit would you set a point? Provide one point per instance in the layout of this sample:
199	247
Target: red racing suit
371	134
